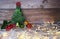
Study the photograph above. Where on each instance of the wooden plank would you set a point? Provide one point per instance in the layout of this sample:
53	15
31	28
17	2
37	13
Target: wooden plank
33	15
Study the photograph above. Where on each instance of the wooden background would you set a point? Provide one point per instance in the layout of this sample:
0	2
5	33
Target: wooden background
33	15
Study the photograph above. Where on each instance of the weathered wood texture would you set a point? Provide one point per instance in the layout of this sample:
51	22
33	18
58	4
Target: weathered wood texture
33	15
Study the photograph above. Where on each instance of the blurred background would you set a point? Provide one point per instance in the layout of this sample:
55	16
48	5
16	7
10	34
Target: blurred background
35	11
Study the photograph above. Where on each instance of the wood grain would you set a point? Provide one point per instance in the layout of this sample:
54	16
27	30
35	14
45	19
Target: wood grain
33	15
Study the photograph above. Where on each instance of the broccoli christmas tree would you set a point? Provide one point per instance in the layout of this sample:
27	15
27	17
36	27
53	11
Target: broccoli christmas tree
17	15
17	19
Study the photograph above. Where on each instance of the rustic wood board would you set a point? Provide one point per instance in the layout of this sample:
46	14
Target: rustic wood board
32	15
